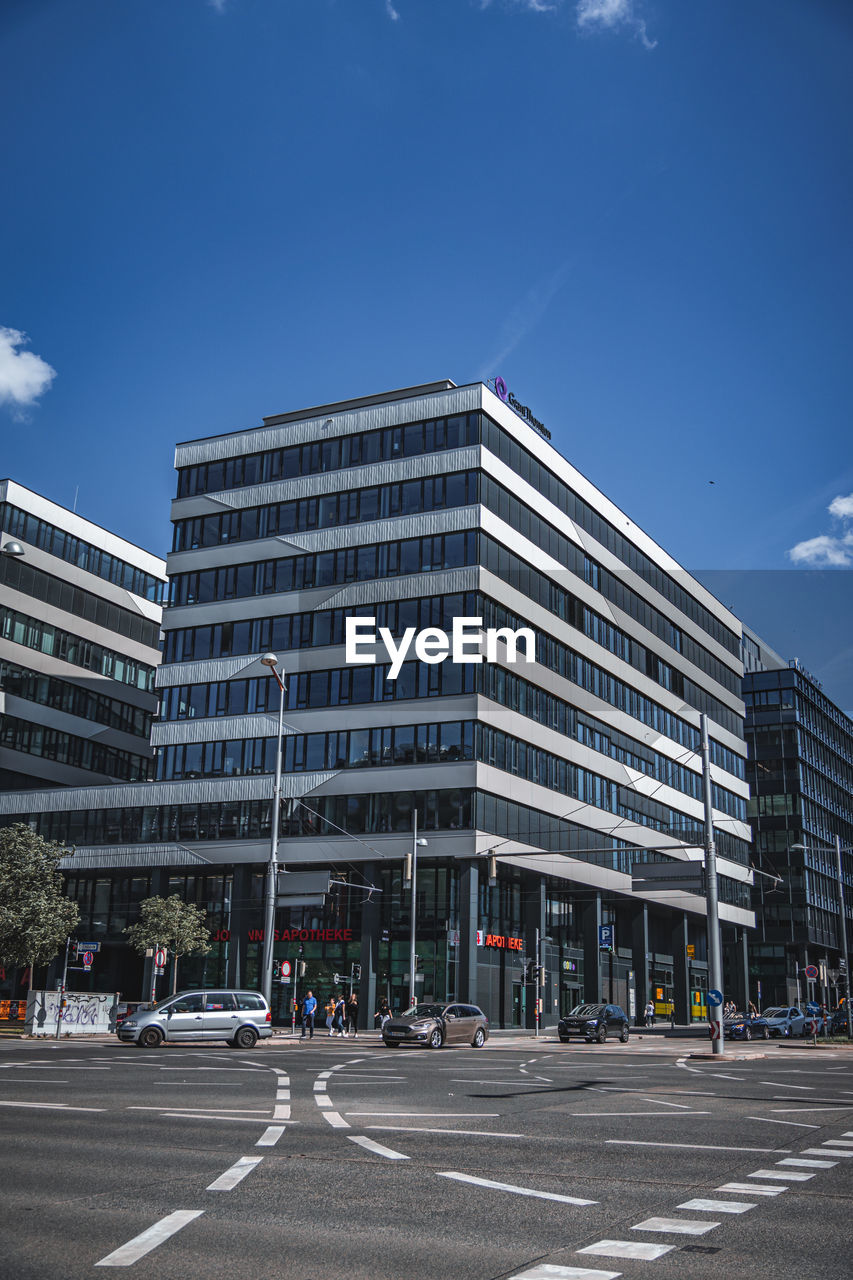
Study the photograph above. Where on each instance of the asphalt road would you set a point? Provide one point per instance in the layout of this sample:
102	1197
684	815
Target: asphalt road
329	1159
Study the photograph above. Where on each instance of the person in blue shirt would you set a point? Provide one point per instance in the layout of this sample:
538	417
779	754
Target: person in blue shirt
309	1008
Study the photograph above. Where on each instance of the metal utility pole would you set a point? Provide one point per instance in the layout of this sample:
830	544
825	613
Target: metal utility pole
538	976
715	962
843	927
60	1011
413	877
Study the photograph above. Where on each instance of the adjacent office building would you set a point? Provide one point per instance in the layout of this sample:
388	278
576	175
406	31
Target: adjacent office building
554	749
79	648
800	770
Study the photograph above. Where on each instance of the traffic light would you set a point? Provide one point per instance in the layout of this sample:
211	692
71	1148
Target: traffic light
356	973
300	969
542	977
276	970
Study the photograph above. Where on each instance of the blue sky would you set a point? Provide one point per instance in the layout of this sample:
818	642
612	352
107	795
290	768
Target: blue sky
638	213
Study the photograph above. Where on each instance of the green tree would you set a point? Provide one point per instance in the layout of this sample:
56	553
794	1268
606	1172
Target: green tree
35	915
170	922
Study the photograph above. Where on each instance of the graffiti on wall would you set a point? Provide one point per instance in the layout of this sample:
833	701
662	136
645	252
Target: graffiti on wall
84	1013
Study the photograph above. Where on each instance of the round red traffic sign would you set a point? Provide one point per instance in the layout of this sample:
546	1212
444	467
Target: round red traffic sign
88	957
285	968
811	972
160	957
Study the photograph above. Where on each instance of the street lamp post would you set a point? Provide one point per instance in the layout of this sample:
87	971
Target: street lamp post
715	963
270	660
412	877
843	927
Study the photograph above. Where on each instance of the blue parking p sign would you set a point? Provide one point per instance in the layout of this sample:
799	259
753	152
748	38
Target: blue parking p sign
605	937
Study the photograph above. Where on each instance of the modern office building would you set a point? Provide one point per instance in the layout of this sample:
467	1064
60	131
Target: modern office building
800	770
543	758
79	647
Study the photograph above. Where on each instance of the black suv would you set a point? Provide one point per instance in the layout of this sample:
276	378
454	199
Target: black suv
594	1022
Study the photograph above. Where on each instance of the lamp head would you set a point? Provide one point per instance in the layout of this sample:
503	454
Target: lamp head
270	660
801	848
13	549
422	843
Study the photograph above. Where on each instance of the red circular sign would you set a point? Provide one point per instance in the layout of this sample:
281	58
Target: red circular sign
160	958
88	957
811	972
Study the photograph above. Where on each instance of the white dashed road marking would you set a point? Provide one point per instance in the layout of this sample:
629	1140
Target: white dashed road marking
828	1149
270	1136
335	1119
149	1239
376	1147
465	1133
790	1176
690	1146
237	1172
519	1191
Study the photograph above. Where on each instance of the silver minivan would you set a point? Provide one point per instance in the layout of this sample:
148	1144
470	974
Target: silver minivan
239	1018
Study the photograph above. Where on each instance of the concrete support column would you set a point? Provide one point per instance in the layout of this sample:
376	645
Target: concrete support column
238	926
533	916
592	993
740	971
469	888
369	956
680	977
640	959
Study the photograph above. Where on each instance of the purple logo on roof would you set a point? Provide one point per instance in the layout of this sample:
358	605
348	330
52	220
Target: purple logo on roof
500	389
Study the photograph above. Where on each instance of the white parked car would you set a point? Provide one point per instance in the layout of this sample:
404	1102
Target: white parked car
784	1020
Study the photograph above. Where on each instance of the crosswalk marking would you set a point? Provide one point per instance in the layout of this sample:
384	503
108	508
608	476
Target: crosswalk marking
678	1226
754	1189
627	1249
833	1151
789	1175
809	1164
546	1271
717	1206
518	1191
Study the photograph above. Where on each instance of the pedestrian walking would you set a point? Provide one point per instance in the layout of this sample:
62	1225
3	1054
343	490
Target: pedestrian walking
383	1013
330	1012
352	1015
649	1013
309	1008
339	1017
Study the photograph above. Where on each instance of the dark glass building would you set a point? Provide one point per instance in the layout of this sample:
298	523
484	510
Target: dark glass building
800	769
533	695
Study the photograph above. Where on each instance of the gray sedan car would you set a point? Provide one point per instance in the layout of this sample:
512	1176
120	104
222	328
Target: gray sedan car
240	1018
433	1025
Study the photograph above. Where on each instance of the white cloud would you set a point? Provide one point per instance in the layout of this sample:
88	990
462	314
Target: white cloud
391	11
608	15
23	376
834	551
842	507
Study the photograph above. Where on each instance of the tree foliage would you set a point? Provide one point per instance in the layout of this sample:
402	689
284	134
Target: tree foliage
35	915
170	922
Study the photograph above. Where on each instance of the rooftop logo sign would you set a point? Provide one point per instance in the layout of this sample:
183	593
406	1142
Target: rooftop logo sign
434	645
521	409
